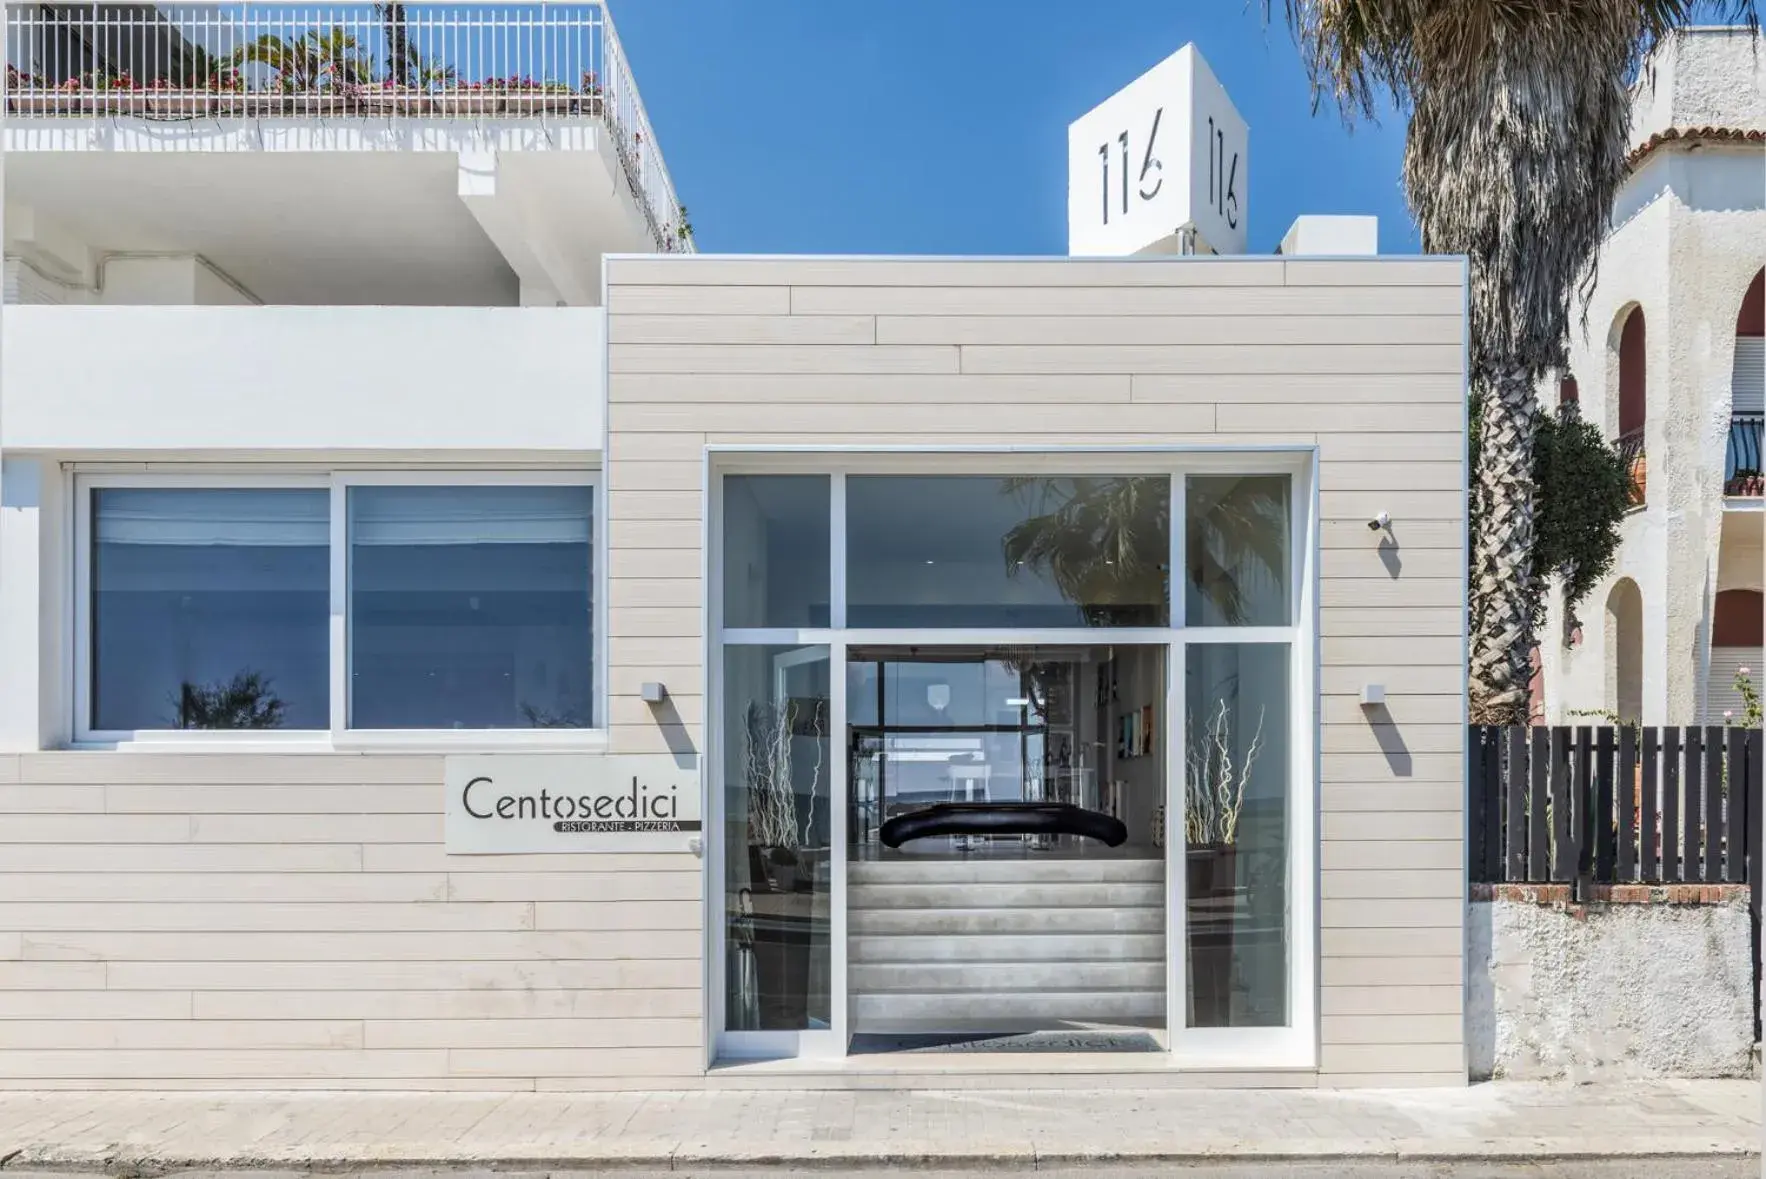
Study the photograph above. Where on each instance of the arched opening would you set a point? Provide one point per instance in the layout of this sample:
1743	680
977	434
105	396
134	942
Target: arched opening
1629	348
1738	633
1624	627
1568	393
1743	473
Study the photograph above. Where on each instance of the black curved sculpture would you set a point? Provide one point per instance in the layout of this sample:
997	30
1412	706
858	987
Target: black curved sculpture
1003	818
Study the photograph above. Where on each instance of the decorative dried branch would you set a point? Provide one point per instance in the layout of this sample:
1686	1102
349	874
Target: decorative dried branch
1214	781
772	797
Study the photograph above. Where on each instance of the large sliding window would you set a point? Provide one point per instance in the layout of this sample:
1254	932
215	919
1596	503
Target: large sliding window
896	632
422	603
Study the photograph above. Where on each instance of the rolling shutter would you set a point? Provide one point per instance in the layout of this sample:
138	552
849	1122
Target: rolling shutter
1748	384
1720	694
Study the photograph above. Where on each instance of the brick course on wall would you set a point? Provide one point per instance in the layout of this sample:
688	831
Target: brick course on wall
1613	894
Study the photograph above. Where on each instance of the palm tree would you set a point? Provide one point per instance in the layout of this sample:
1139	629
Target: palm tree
311	62
1519	115
398	58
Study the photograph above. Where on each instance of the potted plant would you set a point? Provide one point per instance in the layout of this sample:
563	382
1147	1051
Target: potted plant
167	98
115	94
778	836
73	98
389	97
26	94
591	94
1216	773
775	825
474	98
226	91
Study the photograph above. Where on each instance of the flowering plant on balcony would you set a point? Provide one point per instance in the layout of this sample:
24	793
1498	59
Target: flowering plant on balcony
225	81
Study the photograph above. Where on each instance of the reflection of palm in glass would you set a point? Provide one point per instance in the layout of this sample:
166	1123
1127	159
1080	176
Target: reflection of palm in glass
1103	542
244	702
1236	550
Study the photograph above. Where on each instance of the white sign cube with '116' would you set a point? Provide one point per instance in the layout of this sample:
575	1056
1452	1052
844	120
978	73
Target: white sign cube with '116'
1166	153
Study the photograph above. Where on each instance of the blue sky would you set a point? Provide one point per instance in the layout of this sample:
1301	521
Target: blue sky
940	126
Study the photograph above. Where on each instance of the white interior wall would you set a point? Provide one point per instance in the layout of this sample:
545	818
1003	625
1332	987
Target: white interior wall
184	280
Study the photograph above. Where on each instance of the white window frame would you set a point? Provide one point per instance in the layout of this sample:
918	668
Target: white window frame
338	736
1293	1046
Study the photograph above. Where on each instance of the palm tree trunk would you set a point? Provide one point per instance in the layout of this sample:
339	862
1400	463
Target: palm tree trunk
1504	590
398	63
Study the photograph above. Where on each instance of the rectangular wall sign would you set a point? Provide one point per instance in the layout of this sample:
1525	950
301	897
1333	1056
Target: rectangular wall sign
570	802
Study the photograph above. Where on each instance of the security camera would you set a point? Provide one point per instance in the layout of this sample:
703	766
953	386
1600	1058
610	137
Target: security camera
1383	520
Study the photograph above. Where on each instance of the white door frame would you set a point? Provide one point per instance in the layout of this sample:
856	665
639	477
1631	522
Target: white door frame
1291	1046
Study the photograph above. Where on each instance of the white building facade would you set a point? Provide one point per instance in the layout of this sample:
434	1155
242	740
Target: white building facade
455	637
1671	367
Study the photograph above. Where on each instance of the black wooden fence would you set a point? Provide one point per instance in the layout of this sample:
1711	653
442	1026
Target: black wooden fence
1610	804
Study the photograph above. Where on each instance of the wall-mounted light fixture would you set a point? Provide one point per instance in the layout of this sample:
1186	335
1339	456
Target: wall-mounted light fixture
653	692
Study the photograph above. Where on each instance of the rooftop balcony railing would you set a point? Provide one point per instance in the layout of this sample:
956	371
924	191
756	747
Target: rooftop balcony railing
439	60
1741	466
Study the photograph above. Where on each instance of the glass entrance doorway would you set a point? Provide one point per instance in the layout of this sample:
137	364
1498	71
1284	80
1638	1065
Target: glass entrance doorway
1011	762
1007	871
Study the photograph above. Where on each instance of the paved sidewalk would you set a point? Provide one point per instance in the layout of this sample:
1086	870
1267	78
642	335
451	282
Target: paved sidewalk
845	1130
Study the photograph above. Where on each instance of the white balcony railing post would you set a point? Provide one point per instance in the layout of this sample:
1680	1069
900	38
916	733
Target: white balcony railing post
436	59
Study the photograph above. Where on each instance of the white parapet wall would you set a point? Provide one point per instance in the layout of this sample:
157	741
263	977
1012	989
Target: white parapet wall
1640	982
187	383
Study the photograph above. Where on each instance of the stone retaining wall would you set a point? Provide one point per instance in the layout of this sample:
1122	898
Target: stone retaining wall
1638	981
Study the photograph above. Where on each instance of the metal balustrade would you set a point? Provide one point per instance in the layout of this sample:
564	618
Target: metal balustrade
1741	464
439	60
1630	448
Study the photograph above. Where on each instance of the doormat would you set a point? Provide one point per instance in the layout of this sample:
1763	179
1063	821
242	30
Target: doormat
1075	1040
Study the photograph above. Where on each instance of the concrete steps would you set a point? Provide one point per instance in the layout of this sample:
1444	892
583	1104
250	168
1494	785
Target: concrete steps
981	944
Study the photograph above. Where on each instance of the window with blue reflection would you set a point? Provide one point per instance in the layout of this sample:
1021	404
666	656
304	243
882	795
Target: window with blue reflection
470	607
209	608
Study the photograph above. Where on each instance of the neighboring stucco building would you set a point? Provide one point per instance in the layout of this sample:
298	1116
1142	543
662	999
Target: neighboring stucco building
1670	365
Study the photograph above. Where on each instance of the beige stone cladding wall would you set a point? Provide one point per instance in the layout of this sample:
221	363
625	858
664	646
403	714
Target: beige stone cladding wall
1363	357
232	921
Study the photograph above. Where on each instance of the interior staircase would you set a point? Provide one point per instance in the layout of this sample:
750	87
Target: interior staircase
1005	944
